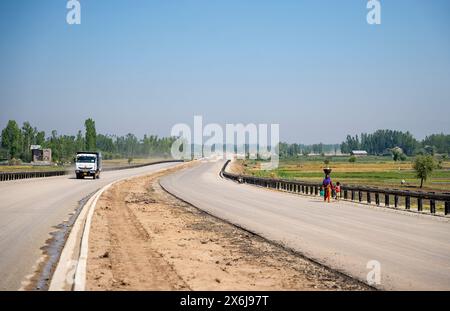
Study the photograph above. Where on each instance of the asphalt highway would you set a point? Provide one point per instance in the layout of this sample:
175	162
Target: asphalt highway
31	208
413	251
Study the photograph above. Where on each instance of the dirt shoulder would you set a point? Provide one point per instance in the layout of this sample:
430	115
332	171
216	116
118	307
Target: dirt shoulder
143	238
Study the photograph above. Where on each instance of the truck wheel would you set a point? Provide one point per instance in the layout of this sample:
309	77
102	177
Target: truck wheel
94	176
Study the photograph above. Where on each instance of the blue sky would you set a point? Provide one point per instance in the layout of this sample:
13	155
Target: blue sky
141	66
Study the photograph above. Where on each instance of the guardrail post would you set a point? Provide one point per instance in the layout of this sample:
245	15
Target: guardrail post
307	188
345	194
396	200
386	199
316	190
447	208
407	202
432	206
419	204
360	196
377	198
369	199
353	195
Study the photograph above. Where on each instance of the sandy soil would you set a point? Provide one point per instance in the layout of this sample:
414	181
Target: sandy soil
143	238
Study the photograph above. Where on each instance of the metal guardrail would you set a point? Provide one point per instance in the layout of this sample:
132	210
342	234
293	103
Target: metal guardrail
106	169
381	197
24	175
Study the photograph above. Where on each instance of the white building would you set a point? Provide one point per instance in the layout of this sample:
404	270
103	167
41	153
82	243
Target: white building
359	153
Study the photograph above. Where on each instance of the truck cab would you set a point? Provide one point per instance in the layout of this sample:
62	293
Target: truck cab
88	164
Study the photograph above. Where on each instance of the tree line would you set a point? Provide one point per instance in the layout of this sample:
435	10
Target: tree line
16	142
292	150
384	141
381	142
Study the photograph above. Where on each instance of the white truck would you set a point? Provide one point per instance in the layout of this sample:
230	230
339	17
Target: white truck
88	164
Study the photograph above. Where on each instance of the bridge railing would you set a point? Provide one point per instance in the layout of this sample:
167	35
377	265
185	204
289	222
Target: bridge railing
408	200
24	175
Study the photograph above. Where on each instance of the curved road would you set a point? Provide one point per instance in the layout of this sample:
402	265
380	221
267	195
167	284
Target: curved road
413	250
31	208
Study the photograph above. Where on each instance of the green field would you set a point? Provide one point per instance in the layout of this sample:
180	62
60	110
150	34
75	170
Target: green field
369	171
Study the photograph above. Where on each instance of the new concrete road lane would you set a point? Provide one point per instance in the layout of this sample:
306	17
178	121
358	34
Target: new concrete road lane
413	250
31	208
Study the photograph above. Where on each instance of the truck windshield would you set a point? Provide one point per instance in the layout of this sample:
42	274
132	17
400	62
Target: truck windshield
85	159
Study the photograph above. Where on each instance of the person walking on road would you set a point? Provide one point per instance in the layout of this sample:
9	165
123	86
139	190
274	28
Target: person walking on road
327	185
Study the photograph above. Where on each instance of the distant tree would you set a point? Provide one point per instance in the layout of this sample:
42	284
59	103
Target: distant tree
105	143
91	135
440	141
352	159
424	166
28	138
39	137
430	150
80	142
54	144
379	141
12	139
397	154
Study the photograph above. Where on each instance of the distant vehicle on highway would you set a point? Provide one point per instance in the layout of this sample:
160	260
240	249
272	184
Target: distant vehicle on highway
88	164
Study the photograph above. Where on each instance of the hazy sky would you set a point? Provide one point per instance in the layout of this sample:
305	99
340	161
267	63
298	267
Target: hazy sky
315	67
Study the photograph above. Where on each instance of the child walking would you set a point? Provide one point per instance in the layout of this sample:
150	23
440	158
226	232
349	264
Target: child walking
338	191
